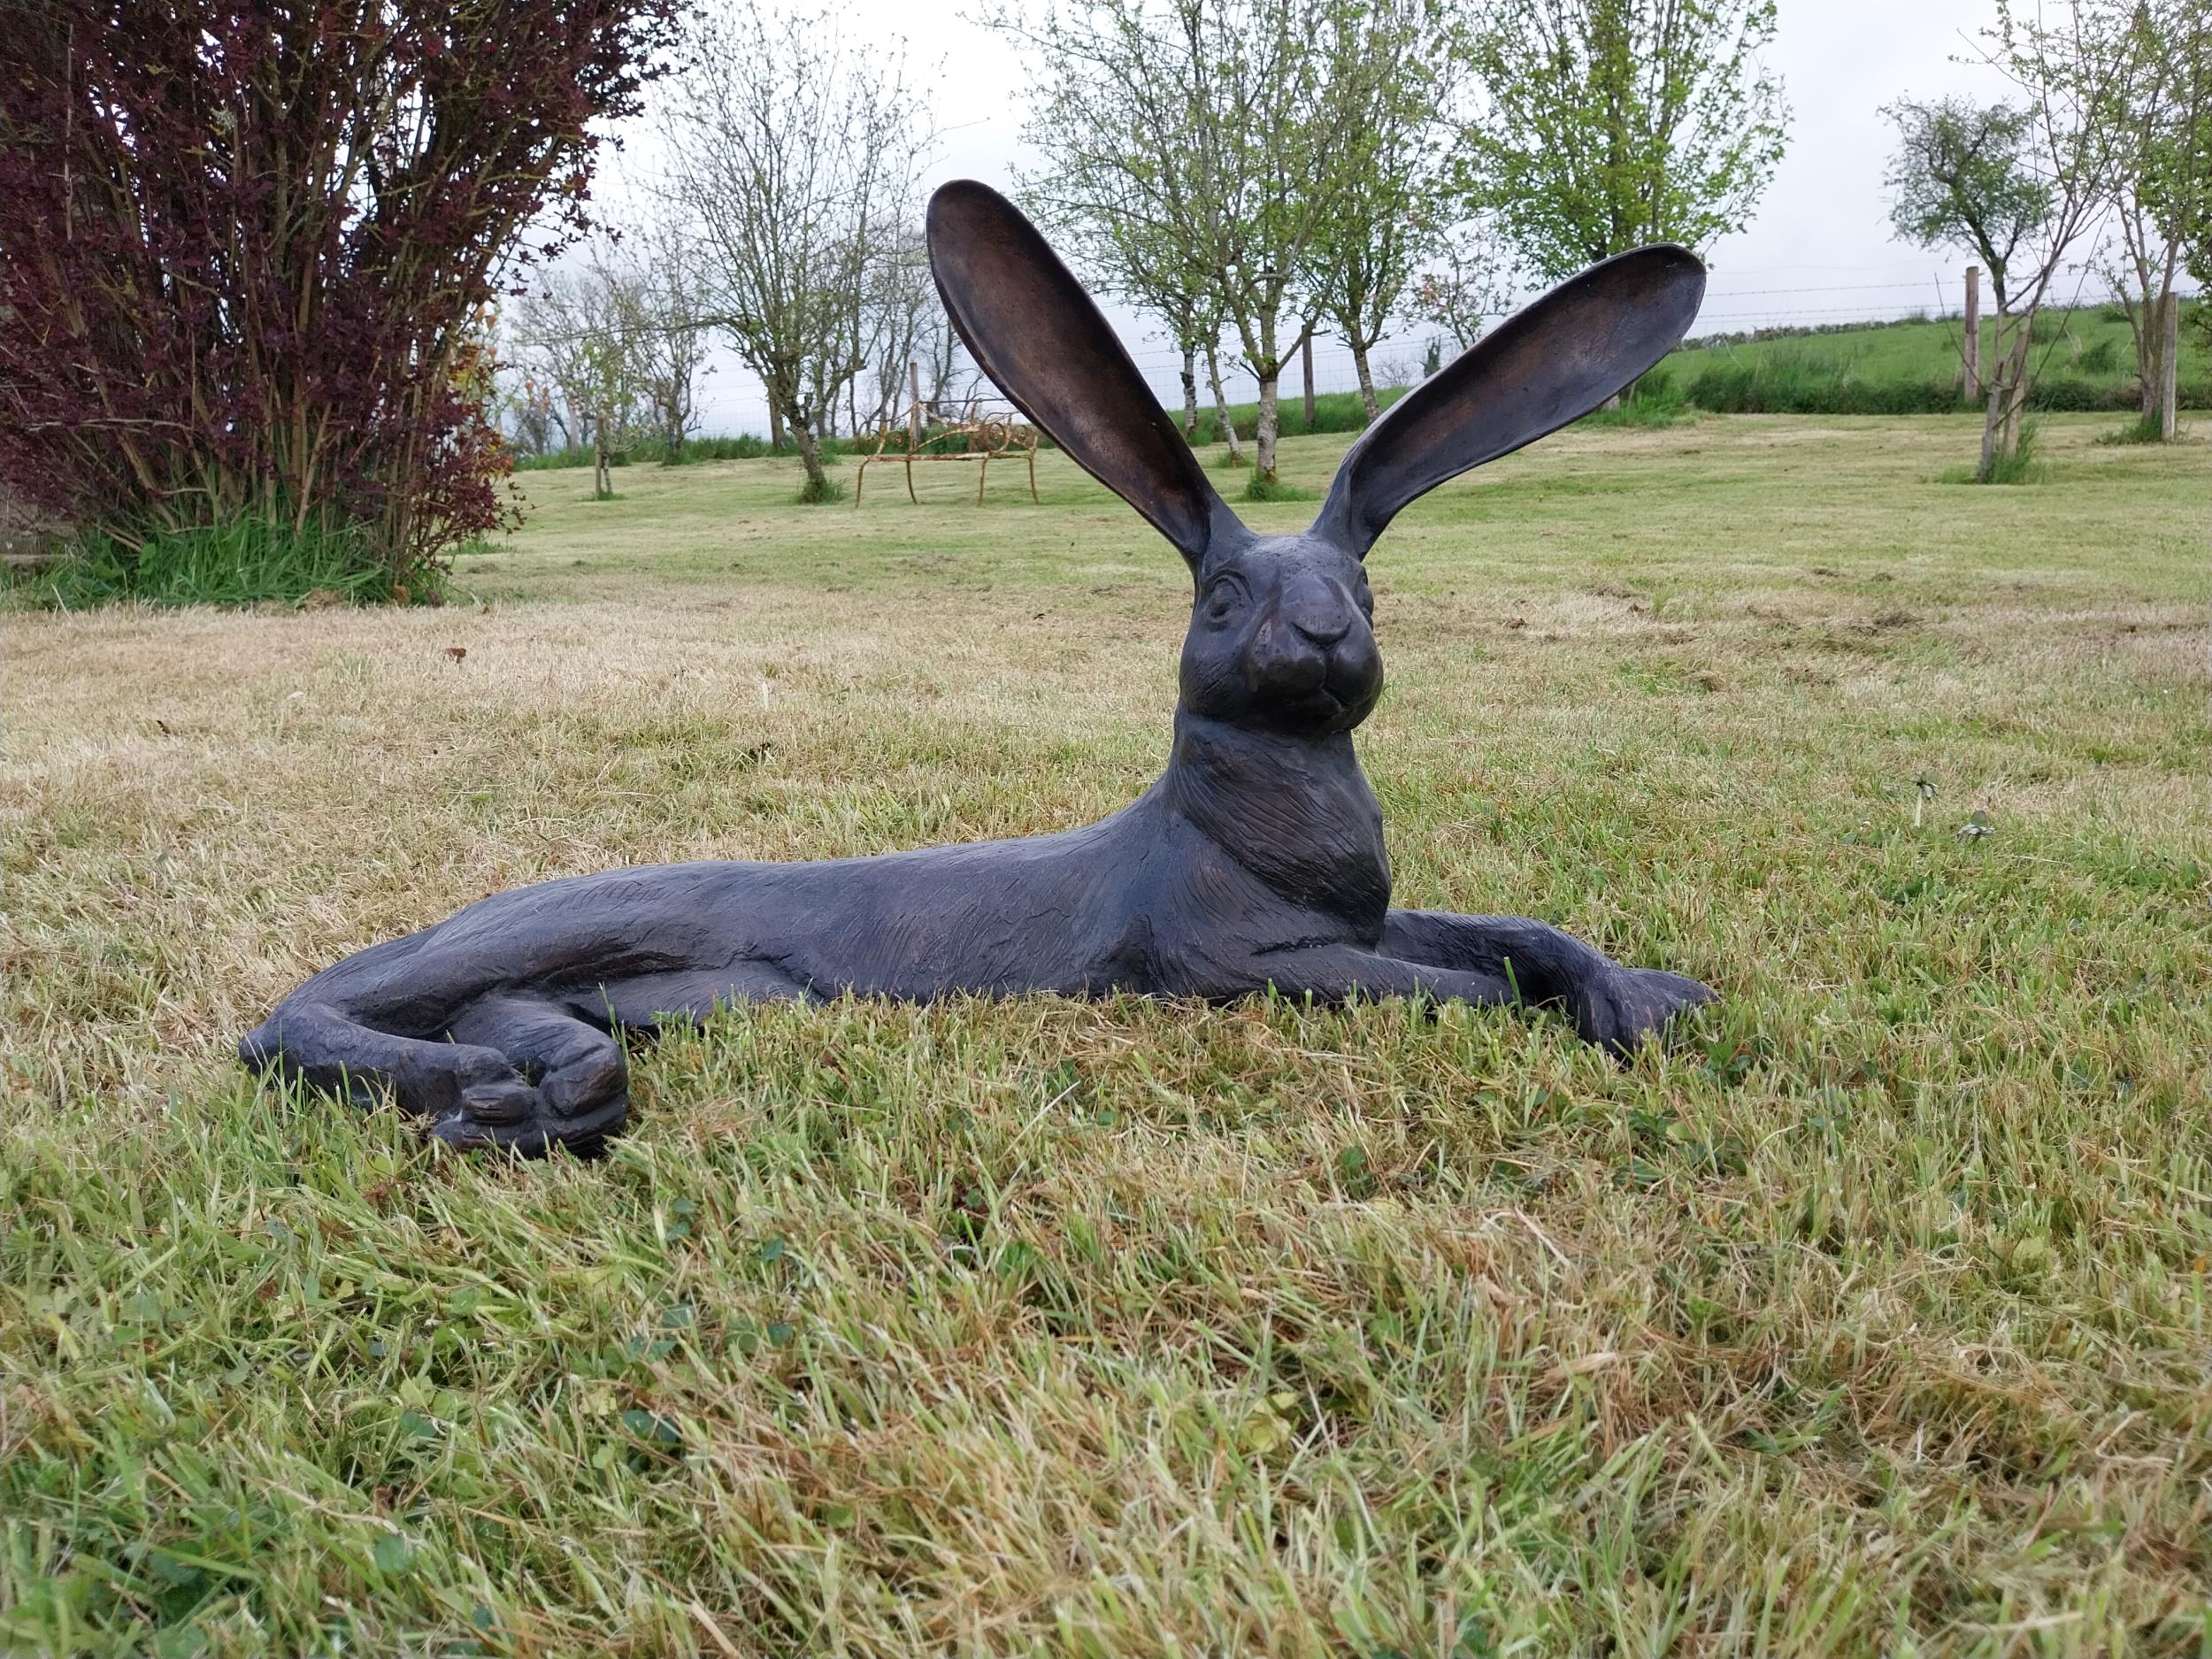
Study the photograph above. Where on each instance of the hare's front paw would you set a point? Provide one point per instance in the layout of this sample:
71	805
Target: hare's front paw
1621	1007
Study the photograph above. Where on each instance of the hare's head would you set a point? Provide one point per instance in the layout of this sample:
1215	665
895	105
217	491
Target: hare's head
1281	631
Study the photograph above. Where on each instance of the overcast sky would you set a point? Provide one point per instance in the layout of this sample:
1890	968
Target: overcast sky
1819	249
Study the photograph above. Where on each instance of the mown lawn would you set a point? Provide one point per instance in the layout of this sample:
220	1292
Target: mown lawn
1869	1318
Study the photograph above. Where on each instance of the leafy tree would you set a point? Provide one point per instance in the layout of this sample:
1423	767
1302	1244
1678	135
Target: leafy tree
1274	134
2020	184
247	244
1963	176
1126	243
794	160
1607	124
1121	191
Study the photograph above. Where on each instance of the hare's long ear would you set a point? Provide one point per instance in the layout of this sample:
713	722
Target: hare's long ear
1549	363
1032	329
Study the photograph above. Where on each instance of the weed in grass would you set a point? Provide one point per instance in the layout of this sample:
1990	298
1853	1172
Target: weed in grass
2101	358
1260	487
2020	467
821	493
2142	429
1654	401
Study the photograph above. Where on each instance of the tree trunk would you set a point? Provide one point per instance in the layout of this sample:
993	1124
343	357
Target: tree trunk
1367	397
1305	363
2146	366
1971	343
2169	367
1190	390
1221	407
1269	424
602	477
775	427
2007	394
816	487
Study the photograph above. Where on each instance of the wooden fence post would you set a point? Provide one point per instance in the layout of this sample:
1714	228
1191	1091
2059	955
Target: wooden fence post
1305	354
2168	368
1970	365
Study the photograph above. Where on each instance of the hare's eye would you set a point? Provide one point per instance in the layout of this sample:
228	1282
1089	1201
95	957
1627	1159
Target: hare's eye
1223	597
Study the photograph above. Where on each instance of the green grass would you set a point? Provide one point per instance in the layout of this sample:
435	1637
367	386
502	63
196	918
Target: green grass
1258	488
245	562
1871	1318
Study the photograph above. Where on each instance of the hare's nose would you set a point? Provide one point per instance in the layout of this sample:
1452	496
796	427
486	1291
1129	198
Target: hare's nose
1318	611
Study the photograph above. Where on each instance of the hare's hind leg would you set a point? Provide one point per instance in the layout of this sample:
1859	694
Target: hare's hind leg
1613	1006
322	1045
518	1074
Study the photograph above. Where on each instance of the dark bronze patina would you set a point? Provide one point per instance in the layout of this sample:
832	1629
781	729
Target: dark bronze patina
1257	860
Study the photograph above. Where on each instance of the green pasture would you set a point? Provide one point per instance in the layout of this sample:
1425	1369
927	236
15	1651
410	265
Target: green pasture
2081	358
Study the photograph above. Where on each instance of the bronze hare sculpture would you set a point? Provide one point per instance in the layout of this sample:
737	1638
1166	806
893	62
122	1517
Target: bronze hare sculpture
1257	860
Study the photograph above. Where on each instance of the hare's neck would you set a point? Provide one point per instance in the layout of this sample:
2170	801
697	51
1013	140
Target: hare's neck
1297	813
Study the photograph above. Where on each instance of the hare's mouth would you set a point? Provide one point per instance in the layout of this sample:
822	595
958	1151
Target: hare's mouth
1330	701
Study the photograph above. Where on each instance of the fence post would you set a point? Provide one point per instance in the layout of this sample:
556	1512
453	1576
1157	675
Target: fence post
2169	367
914	409
1305	353
1970	365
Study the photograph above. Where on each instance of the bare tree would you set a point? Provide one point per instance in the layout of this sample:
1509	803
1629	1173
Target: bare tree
793	161
1393	69
2164	185
575	333
531	417
1469	283
652	280
900	315
1226	136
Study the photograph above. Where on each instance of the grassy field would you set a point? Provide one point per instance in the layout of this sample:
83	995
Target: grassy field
1869	1318
2081	359
2091	342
